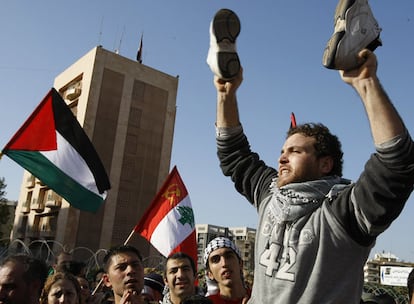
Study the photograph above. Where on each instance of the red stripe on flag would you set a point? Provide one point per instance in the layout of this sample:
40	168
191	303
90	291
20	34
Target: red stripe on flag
38	132
188	246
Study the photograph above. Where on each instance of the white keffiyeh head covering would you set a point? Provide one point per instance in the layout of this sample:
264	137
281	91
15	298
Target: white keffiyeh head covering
217	243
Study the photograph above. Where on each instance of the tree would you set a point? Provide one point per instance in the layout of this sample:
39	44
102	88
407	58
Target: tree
4	209
2	190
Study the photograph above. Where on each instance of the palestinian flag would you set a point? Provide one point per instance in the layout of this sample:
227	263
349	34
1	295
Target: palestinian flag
168	223
53	147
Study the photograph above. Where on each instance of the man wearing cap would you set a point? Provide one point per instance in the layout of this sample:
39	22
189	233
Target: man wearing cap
153	287
224	270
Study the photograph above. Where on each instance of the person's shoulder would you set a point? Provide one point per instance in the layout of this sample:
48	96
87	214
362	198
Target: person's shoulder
197	299
214	296
215	299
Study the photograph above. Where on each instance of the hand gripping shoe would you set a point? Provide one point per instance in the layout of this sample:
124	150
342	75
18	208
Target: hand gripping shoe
355	29
222	55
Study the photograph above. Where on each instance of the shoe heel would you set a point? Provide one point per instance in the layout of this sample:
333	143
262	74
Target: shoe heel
229	64
328	58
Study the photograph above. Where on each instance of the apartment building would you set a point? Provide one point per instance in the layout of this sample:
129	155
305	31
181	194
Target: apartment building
387	269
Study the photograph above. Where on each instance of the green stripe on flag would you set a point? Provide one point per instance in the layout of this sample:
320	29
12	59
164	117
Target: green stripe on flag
77	195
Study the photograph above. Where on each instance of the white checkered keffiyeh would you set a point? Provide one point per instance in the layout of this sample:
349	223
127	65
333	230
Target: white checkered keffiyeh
219	242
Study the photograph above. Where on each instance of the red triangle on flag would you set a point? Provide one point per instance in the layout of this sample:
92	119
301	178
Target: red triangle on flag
38	132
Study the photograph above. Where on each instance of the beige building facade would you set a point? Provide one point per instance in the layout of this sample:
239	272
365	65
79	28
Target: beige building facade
245	238
128	111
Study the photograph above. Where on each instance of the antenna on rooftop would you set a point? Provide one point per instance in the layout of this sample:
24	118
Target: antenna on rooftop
120	41
100	32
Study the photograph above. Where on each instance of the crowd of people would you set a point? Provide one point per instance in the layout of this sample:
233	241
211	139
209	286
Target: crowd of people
123	279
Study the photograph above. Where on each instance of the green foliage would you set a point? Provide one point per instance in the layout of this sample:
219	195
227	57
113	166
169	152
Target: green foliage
2	190
4	209
4	214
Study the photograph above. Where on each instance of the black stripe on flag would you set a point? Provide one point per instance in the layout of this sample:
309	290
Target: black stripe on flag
68	126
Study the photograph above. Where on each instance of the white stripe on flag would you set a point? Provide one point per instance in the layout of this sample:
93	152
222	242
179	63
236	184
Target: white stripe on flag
67	159
170	232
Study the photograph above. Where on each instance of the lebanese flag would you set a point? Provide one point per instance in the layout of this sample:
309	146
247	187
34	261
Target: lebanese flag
53	147
168	223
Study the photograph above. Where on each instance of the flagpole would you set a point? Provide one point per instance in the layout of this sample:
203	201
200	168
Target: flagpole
129	237
97	287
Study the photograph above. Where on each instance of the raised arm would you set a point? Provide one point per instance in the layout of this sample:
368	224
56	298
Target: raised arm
227	109
384	120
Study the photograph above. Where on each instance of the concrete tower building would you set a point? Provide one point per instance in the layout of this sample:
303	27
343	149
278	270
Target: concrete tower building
128	111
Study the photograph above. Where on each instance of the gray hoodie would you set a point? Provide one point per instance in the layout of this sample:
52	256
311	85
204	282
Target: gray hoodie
317	255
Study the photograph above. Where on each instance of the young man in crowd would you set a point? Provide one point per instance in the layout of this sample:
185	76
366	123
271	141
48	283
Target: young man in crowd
124	274
63	261
180	276
410	287
21	279
224	269
153	287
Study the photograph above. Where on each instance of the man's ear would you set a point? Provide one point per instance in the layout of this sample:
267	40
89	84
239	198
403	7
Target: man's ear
210	275
326	164
106	281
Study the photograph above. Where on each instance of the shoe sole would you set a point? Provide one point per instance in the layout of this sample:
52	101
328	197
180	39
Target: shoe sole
328	59
226	27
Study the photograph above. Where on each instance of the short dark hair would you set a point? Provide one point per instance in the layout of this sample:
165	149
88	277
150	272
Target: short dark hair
326	143
117	250
410	284
385	298
63	252
180	256
34	269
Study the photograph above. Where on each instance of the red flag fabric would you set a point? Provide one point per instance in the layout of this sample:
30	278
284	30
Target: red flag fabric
168	223
292	120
